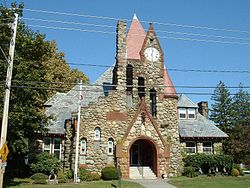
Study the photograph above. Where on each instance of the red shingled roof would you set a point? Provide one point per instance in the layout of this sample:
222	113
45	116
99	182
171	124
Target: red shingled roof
169	90
135	39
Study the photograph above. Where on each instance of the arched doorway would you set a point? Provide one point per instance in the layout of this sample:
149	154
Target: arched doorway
143	154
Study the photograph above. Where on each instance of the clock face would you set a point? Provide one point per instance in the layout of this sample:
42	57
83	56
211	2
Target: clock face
152	54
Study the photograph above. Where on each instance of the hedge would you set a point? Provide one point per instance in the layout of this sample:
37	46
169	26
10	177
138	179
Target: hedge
209	164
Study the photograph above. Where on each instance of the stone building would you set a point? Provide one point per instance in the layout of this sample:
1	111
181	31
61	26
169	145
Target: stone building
131	115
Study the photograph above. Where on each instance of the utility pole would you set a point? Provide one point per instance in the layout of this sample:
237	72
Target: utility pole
7	93
78	133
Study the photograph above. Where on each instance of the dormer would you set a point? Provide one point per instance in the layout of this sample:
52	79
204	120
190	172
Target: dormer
186	108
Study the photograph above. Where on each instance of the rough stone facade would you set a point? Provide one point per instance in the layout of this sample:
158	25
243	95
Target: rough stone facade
125	117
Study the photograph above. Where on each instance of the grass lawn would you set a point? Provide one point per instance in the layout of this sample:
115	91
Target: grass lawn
212	182
21	183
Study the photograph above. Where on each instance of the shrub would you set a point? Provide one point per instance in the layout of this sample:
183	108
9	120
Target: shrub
69	174
235	172
189	171
39	178
95	176
209	163
84	175
237	166
61	176
45	163
110	173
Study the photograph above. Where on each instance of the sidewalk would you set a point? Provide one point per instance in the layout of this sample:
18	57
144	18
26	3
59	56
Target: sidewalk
156	183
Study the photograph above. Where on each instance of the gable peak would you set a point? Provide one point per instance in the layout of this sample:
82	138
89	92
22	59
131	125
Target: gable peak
135	17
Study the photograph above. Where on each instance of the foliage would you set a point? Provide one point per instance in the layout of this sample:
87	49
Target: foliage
39	178
61	176
209	163
189	171
45	163
37	63
235	172
221	112
95	176
69	174
110	173
232	115
84	175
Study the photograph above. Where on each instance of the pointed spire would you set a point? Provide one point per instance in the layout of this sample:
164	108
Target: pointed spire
135	17
135	39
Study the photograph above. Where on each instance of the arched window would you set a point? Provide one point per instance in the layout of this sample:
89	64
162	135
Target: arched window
83	149
110	146
141	87
129	78
153	107
97	134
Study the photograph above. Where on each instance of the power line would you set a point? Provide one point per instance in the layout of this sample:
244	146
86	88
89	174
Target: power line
69	22
143	21
108	90
163	37
114	85
73	29
113	27
170	69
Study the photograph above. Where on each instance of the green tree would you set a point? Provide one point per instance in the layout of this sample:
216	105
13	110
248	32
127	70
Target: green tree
37	63
232	115
240	136
221	112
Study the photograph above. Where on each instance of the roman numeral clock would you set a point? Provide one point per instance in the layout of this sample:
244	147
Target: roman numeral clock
152	54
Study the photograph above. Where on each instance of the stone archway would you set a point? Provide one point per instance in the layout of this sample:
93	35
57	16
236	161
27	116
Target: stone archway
143	154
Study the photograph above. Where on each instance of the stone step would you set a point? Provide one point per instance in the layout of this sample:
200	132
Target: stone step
142	172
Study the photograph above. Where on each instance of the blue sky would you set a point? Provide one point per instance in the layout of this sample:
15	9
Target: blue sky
99	48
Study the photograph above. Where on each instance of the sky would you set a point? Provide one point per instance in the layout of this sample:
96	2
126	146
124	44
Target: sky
194	34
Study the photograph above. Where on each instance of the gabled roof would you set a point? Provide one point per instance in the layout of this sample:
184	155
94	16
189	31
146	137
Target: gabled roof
54	98
135	39
199	128
62	108
185	102
169	89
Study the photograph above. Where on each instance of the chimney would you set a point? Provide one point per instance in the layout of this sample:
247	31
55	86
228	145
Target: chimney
203	108
119	71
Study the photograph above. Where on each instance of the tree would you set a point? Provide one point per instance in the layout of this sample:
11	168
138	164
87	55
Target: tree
37	63
221	112
232	115
240	139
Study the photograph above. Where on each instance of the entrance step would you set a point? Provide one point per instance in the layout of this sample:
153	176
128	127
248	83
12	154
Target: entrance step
141	172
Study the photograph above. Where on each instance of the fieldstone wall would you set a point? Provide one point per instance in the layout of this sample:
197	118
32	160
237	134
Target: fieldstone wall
118	116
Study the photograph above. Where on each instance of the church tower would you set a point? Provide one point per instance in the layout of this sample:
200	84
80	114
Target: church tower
133	124
151	138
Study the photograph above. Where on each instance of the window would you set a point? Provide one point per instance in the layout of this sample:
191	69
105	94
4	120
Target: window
129	77
83	149
110	146
190	147
207	147
53	146
97	135
57	147
153	102
47	145
182	113
141	87
191	113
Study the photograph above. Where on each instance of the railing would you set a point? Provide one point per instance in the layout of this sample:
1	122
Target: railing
140	168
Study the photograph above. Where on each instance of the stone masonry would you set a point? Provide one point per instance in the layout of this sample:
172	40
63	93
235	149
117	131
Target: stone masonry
126	118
